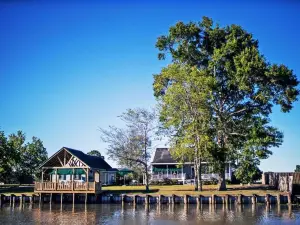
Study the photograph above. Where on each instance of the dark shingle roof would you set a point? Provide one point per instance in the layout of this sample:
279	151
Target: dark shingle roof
113	169
163	155
91	161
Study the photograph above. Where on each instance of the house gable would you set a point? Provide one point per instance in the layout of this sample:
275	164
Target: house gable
72	158
65	159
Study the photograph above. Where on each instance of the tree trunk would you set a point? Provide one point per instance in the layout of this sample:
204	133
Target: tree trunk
221	181
196	175
147	178
199	177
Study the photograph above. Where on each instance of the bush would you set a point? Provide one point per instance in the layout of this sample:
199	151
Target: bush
228	182
213	181
165	181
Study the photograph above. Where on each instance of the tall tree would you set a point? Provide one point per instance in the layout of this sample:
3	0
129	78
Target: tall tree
243	91
95	153
184	111
131	146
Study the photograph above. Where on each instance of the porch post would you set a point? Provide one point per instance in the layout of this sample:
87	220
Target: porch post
42	178
73	182
55	179
55	175
167	171
87	179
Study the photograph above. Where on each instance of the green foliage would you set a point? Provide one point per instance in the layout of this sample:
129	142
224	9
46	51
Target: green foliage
297	168
213	181
221	90
95	153
247	169
20	160
7	157
165	181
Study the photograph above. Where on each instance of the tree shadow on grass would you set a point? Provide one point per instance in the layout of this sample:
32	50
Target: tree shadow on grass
118	192
252	187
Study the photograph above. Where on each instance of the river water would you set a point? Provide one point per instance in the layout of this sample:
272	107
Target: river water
152	214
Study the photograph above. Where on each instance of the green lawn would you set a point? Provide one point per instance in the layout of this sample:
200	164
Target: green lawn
189	190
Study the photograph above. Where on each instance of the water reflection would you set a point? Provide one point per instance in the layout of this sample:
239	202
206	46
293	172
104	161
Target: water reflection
149	214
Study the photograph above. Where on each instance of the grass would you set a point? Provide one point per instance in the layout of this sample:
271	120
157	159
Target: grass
16	189
189	190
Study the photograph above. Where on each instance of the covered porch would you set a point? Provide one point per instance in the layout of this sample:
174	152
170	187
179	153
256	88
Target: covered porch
67	171
185	172
160	172
68	180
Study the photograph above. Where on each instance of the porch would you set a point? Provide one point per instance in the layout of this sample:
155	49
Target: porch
185	172
182	176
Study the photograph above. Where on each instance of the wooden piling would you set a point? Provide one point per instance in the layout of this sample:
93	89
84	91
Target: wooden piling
12	199
160	199
31	199
226	199
198	200
212	199
147	199
61	198
86	198
134	199
173	199
254	199
278	199
1	199
239	199
185	199
289	198
267	199
123	198
22	199
73	198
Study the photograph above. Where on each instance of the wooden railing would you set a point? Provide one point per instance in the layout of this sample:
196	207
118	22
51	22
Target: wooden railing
168	176
67	186
183	176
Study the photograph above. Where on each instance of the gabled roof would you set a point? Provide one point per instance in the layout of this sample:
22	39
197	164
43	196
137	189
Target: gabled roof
163	155
90	161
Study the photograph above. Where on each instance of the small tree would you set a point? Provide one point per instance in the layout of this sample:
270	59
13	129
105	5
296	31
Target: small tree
247	170
297	168
95	153
131	146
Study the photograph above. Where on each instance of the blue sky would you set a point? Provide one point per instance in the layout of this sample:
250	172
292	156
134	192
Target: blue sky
68	68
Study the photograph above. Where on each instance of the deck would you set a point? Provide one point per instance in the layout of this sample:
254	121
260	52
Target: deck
67	187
